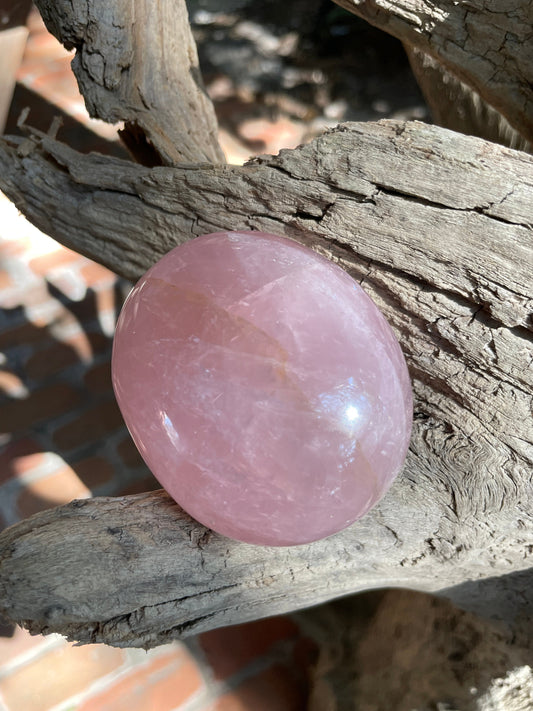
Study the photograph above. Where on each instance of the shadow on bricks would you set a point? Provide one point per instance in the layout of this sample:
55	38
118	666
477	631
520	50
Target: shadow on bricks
63	434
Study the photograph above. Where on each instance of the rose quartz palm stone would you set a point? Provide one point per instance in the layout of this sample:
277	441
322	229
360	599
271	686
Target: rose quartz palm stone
263	387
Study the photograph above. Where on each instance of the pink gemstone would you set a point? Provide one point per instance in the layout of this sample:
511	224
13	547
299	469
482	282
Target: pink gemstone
263	387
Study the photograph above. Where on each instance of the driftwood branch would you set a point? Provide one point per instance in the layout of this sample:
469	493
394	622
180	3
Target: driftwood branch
488	45
438	227
455	105
137	62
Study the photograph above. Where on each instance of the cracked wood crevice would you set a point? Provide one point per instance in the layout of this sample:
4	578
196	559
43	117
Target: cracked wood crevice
438	226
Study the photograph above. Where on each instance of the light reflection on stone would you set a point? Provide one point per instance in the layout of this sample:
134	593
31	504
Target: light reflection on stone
347	407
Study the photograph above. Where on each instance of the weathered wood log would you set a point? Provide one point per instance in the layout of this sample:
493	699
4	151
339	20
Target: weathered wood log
455	105
137	62
438	226
486	44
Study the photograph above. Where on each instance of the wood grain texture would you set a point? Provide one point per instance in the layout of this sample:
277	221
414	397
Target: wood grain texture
137	62
438	228
455	105
488	44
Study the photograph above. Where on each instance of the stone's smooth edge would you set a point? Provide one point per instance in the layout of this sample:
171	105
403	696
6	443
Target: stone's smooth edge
157	272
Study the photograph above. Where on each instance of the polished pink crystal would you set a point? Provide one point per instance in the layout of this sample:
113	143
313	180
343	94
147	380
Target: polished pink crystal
263	387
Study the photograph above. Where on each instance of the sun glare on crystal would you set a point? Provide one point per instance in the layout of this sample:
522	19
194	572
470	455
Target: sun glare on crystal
351	413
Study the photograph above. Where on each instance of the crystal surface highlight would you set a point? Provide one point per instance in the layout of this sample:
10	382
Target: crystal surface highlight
263	387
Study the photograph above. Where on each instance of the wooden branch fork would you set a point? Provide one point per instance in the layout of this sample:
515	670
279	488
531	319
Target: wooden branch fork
438	227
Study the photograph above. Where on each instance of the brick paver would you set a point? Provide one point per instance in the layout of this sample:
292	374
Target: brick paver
165	683
58	675
271	690
247	642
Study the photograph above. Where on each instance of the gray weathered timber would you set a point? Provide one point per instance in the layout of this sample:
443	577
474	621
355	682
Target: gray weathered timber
488	44
438	228
455	105
137	62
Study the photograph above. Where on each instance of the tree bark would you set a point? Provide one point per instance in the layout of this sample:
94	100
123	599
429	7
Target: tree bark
437	227
487	44
137	62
